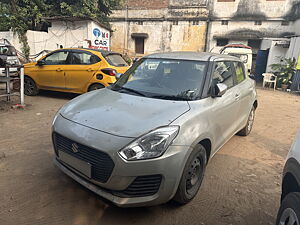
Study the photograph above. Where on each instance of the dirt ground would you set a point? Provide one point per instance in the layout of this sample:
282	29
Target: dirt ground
241	185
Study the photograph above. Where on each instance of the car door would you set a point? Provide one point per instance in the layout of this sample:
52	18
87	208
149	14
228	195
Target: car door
51	74
244	89
83	66
224	110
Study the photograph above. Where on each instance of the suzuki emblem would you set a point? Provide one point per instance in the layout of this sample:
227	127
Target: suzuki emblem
75	148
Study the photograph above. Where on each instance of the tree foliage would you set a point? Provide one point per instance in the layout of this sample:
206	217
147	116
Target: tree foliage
285	70
23	15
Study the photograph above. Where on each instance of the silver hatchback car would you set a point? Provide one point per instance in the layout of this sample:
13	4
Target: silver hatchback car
147	139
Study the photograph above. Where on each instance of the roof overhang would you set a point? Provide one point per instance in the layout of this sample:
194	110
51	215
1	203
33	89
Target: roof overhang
139	35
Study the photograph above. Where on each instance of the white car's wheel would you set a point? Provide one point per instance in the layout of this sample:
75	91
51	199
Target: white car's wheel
289	212
247	129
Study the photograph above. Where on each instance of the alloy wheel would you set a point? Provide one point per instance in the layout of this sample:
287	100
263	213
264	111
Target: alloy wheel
289	217
29	86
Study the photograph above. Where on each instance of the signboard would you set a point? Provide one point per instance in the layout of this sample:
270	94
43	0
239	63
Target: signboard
298	66
283	43
100	38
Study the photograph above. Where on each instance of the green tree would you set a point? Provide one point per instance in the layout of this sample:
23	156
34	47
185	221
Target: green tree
23	15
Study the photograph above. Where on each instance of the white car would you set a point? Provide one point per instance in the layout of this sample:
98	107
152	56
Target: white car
8	55
289	212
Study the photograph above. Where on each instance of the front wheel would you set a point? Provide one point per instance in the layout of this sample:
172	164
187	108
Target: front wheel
289	211
192	176
30	87
247	129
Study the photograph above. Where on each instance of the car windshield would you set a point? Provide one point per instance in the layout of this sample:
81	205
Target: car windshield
7	50
164	79
242	57
116	60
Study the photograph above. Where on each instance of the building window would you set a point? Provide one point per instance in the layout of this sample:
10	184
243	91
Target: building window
140	22
195	22
175	22
222	41
258	22
139	45
254	43
285	23
224	22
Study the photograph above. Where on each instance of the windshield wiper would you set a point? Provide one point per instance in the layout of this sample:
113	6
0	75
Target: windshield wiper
170	97
131	90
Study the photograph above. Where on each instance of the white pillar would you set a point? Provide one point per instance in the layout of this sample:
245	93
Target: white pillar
22	85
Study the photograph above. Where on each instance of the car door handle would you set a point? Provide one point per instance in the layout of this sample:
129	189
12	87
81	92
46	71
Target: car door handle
89	70
59	70
237	97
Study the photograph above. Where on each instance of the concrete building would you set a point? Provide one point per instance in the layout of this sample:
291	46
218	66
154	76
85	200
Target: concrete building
248	22
256	23
144	27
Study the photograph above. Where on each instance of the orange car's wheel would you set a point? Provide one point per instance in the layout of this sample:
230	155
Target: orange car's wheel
30	87
94	87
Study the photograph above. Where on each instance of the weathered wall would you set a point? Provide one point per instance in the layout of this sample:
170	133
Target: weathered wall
254	9
242	14
238	31
172	28
153	4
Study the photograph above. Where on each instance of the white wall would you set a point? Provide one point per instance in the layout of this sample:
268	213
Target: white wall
294	50
267	29
61	33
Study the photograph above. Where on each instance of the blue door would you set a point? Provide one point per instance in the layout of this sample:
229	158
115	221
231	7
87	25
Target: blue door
261	64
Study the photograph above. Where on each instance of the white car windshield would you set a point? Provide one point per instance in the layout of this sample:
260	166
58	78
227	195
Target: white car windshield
164	78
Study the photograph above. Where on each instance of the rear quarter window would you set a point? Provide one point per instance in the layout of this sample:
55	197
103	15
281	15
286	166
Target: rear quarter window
115	60
239	72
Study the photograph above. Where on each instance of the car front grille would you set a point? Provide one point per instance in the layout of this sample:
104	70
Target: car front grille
102	164
142	186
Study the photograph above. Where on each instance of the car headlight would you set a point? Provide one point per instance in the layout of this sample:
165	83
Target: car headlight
150	145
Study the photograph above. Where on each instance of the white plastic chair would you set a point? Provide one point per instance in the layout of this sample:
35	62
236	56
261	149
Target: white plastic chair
269	78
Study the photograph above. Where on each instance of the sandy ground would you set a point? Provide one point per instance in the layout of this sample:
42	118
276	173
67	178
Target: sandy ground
241	185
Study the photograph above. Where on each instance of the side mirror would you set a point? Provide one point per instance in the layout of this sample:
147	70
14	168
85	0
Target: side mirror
252	76
118	75
219	90
41	63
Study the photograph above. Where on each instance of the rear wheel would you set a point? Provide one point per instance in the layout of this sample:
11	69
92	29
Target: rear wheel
192	176
30	87
94	87
289	211
247	129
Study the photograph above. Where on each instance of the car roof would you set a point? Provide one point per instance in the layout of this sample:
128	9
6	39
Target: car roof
199	56
103	52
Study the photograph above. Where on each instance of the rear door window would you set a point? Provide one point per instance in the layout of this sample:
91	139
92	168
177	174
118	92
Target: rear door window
239	72
84	58
116	60
223	73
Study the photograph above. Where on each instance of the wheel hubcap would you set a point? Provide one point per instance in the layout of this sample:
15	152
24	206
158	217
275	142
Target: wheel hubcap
194	175
289	217
29	86
250	120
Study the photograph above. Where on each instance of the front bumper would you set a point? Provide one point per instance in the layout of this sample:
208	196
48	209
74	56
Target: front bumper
169	166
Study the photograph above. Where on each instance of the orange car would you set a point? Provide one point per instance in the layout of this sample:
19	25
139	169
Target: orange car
76	70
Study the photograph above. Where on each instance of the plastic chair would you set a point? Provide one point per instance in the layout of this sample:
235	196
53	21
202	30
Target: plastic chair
269	78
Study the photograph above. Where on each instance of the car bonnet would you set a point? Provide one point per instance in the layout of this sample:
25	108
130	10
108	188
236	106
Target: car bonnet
122	114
